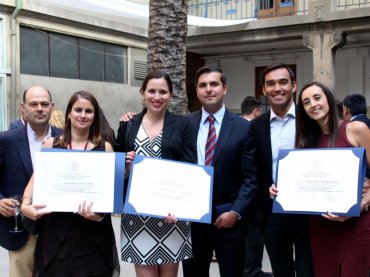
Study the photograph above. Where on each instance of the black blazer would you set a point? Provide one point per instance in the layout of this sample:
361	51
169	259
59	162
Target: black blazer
262	135
15	171
16	124
363	118
178	139
234	163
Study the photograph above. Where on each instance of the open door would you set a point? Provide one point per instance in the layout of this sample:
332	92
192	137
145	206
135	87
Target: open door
276	8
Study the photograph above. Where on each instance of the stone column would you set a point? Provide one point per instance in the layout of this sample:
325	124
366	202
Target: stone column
323	40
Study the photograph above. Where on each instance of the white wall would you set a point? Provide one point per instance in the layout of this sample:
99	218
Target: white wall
114	99
240	73
352	70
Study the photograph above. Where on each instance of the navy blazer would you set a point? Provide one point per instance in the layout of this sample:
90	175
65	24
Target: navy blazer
235	170
262	133
178	139
15	171
16	124
363	118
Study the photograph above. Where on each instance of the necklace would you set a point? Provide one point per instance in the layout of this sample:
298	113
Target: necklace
70	145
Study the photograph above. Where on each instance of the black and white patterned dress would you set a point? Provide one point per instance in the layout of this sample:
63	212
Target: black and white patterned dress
148	240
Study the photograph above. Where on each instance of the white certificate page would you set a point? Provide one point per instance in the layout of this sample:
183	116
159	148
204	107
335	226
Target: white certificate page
318	181
158	187
63	180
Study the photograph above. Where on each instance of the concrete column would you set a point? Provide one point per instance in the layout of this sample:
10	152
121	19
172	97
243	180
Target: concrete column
323	40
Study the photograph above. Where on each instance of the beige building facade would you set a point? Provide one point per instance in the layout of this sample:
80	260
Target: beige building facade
41	36
324	40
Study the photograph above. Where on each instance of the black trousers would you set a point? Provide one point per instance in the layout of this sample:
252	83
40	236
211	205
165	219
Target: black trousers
228	244
254	253
288	245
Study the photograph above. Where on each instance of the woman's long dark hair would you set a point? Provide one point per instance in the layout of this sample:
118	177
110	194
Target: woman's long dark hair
308	131
95	132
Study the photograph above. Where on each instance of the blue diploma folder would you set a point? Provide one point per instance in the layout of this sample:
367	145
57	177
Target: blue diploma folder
131	209
119	174
322	153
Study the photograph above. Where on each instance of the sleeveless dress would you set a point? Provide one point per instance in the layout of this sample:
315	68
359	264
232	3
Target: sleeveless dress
70	245
148	240
340	249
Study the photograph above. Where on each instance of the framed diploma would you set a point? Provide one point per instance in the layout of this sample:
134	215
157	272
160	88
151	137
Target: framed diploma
158	187
315	181
63	179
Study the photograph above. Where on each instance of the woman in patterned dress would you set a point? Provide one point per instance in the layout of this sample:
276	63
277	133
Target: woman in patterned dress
154	245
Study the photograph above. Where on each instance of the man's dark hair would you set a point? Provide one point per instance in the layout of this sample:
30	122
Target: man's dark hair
356	104
275	66
249	104
25	93
339	108
210	69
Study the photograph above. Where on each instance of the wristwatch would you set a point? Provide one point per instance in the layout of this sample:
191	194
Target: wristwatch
366	206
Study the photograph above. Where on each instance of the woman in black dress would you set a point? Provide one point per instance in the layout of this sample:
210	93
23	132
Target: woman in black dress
81	243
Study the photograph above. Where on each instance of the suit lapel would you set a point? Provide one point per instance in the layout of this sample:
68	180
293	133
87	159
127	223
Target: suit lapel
266	138
23	149
168	128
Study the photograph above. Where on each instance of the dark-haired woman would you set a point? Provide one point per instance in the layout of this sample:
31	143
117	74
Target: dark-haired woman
156	245
340	245
82	243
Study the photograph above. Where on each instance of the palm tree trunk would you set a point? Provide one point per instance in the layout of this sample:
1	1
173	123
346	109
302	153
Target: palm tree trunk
167	46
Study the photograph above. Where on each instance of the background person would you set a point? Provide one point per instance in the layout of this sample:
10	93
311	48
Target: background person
81	243
355	108
17	152
250	108
157	133
340	245
57	119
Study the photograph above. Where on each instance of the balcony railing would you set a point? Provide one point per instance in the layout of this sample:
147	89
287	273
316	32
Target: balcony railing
257	9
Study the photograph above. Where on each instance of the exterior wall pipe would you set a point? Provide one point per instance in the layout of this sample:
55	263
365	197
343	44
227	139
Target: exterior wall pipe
13	30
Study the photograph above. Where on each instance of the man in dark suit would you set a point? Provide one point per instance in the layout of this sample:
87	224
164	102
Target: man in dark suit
286	236
17	123
17	151
355	108
234	184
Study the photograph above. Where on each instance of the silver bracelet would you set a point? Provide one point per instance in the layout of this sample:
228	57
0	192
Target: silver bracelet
102	217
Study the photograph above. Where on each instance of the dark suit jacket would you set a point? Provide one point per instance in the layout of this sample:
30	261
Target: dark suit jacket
363	118
178	139
16	124
15	172
234	163
262	134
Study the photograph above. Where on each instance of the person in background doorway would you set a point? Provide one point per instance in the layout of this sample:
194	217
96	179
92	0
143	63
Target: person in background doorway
355	108
57	119
339	106
251	109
